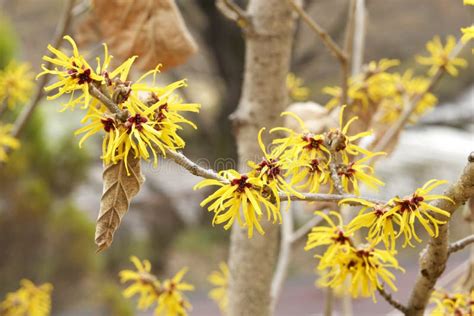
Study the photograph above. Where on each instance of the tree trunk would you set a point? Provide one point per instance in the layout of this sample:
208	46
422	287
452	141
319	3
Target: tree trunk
264	97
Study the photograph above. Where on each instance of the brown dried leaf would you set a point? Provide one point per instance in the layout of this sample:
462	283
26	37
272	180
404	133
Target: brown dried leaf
119	189
154	30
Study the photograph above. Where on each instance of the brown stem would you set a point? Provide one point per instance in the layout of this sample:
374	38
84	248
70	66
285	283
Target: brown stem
388	297
460	244
434	257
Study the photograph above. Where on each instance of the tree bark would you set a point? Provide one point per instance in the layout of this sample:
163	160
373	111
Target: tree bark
433	259
264	97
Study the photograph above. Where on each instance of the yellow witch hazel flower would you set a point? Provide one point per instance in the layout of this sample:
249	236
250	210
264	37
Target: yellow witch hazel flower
452	304
74	73
414	208
16	83
7	141
351	173
240	195
167	295
366	268
440	57
367	88
270	170
333	236
407	87
339	140
296	88
29	300
172	302
371	216
220	279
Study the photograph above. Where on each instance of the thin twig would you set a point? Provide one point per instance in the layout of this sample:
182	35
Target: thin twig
350	31
325	37
305	229
388	297
328	301
460	244
335	49
284	255
61	30
410	107
325	197
359	37
111	106
233	12
192	167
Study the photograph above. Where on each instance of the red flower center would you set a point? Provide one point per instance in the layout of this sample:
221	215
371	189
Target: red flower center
84	76
137	120
241	183
109	124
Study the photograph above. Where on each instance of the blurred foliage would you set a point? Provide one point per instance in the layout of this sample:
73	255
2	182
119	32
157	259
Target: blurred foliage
8	42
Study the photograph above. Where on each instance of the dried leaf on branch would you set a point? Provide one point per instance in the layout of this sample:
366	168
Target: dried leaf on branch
154	30
119	189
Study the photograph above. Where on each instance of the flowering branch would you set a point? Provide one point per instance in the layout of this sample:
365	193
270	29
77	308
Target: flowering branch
410	107
460	244
389	298
434	258
61	30
192	167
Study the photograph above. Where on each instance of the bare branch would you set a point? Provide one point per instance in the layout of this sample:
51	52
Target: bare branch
305	229
359	37
192	167
28	110
233	12
388	297
284	255
410	107
350	31
460	244
434	257
325	37
337	51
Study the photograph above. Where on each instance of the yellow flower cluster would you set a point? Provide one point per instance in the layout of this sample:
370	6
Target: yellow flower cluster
29	300
7	141
16	84
384	95
296	88
167	295
220	279
399	216
299	159
452	304
364	267
146	118
441	57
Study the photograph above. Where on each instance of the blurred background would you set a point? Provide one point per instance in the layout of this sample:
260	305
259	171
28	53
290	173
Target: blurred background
50	189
